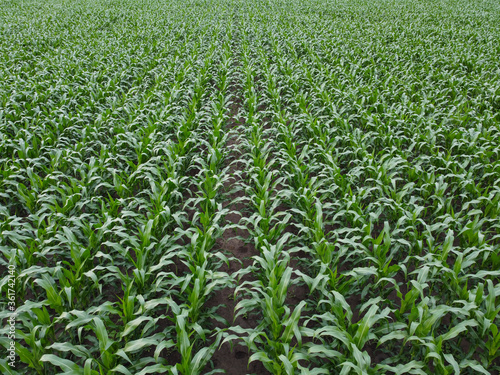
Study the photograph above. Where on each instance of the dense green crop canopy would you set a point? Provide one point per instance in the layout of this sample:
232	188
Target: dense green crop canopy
250	186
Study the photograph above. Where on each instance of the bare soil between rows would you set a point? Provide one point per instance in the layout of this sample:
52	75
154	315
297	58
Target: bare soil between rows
231	357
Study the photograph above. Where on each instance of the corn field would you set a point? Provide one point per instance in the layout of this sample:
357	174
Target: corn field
250	187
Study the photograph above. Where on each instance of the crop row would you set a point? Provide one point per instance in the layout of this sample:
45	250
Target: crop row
364	170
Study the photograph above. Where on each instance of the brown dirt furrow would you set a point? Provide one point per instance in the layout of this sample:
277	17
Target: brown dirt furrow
233	359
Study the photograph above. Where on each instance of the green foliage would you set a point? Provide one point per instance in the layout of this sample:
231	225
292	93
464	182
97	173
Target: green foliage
356	142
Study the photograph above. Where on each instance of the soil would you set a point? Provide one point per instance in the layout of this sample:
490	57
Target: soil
233	358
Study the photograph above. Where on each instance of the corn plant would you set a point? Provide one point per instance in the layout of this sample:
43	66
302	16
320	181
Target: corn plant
352	146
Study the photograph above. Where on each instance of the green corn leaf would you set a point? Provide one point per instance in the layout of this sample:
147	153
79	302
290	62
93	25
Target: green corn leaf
459	328
64	364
